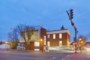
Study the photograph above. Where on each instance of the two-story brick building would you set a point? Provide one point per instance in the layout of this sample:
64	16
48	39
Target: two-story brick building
41	37
58	37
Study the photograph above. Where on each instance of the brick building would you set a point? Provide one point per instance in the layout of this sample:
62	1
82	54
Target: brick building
58	37
41	38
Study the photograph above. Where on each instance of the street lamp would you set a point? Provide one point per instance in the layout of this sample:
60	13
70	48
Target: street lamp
80	39
41	44
41	40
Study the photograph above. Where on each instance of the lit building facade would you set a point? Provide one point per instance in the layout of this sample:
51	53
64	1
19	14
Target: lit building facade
41	38
37	39
58	38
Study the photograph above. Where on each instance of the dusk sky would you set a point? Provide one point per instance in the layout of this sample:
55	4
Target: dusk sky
50	14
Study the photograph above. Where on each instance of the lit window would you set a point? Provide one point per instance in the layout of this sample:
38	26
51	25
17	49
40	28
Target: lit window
44	40
54	36
60	36
44	37
48	43
48	36
60	43
36	44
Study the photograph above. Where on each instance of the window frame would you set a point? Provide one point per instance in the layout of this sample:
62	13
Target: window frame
54	36
60	36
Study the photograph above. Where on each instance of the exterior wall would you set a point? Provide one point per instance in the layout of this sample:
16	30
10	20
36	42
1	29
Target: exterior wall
42	34
30	46
55	42
66	39
41	41
39	37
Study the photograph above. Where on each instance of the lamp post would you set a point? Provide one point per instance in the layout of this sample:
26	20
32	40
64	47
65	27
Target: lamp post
70	15
41	44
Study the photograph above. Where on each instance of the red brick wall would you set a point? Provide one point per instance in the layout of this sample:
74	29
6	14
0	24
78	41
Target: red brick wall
30	46
66	37
42	34
55	42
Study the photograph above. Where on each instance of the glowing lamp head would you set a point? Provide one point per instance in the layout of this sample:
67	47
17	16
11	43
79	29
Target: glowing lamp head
80	39
41	40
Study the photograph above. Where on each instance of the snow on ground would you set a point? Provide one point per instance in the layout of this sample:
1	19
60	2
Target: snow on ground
4	46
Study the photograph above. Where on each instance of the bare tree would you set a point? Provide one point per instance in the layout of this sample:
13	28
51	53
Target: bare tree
81	41
28	33
21	31
25	32
13	38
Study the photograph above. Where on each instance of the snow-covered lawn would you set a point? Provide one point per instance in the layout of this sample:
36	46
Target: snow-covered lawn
4	46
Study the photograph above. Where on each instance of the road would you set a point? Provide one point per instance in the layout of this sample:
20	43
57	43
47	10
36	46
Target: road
79	56
19	55
28	55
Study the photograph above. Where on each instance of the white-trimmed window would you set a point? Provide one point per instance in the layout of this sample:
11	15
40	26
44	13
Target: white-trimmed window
54	36
60	36
48	36
44	40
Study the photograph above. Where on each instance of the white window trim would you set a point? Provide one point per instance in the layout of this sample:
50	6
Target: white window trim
48	36
54	36
60	36
44	40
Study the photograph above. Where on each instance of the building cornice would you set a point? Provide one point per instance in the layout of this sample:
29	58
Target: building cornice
58	31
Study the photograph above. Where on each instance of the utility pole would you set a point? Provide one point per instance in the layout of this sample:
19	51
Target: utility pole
70	15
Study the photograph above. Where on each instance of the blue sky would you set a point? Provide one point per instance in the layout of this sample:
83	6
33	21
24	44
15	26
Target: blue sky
50	14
